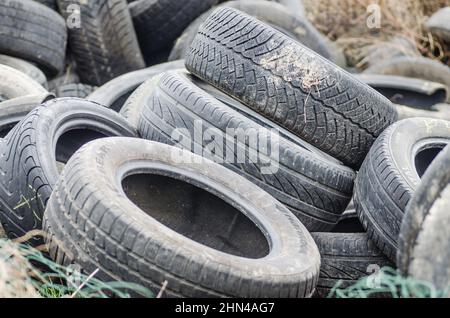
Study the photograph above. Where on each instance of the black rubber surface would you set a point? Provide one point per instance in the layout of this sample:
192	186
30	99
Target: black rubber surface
34	32
115	93
158	23
278	16
423	242
14	110
30	152
290	84
391	174
105	46
315	188
346	258
205	231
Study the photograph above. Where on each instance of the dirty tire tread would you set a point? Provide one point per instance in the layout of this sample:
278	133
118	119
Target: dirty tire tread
106	46
315	190
275	14
431	190
85	227
385	183
159	23
270	73
31	31
345	257
28	175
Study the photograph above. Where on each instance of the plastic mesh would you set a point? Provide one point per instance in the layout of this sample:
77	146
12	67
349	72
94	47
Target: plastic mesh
388	283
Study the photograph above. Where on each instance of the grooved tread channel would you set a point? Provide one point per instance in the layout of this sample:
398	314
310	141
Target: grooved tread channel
290	84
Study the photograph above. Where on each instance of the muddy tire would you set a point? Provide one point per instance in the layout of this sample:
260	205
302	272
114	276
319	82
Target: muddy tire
346	258
14	83
274	14
32	31
25	67
115	93
289	84
159	23
105	46
133	233
391	174
315	188
423	252
30	152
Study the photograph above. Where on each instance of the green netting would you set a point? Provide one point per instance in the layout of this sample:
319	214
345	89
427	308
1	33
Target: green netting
26	272
388	283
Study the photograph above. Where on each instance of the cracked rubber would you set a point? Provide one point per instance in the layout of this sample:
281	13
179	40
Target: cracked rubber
423	242
391	174
316	189
289	84
92	222
33	32
29	154
346	257
106	45
158	23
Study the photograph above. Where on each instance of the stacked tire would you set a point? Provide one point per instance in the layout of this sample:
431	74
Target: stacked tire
248	164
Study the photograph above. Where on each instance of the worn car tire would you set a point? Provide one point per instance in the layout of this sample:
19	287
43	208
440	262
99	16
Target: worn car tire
274	14
423	242
290	84
14	110
158	23
416	67
49	3
25	67
34	32
112	223
391	174
14	83
439	23
346	258
413	92
114	93
30	151
315	188
105	46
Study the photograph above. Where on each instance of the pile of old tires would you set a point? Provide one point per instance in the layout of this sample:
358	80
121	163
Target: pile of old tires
126	168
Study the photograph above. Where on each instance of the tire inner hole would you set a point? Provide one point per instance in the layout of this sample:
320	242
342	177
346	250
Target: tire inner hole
425	156
69	142
197	214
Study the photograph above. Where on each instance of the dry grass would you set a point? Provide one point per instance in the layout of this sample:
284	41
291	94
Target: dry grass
345	21
15	272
